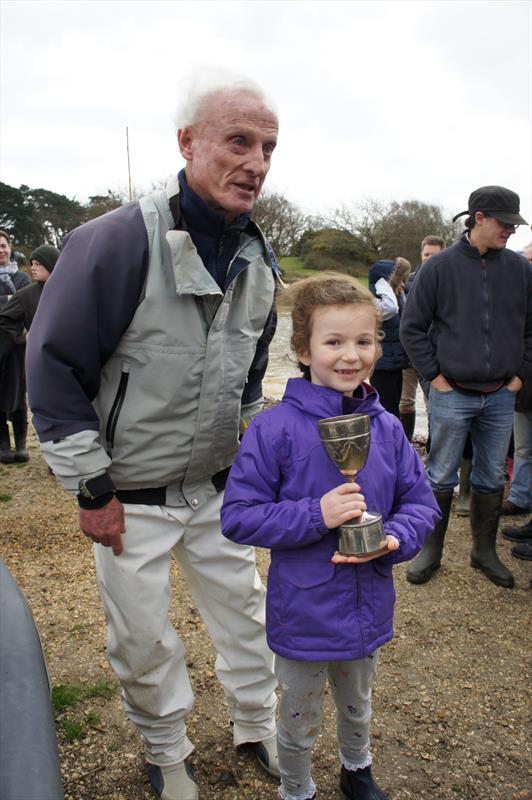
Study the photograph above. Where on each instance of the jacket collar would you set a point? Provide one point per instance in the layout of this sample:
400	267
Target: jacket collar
321	401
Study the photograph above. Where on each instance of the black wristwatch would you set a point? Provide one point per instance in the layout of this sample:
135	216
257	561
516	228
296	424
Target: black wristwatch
93	488
95	492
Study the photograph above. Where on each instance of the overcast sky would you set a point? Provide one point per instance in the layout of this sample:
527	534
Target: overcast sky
391	100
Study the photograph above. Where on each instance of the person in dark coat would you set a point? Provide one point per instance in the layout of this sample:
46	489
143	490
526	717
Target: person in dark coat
387	377
467	328
12	380
17	315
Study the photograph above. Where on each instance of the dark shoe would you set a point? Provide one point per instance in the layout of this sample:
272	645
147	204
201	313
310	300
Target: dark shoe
522	534
175	782
428	559
266	753
484	522
523	551
509	509
6	455
358	784
461	507
20	430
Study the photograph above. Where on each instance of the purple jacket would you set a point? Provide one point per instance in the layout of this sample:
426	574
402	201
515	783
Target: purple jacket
315	610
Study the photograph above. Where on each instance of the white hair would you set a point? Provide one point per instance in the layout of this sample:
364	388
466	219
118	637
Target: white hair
201	83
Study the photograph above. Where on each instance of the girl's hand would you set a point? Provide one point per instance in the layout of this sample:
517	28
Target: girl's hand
342	504
391	544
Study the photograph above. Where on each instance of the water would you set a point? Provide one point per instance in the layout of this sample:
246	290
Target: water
282	365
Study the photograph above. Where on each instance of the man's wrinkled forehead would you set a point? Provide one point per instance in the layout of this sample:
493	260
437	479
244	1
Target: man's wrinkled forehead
231	108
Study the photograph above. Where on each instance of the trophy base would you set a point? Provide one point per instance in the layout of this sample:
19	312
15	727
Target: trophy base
362	538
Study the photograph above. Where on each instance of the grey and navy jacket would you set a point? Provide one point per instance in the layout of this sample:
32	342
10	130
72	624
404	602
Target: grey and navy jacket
138	363
469	317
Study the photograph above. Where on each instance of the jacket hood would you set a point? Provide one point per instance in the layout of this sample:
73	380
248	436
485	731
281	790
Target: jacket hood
380	269
322	402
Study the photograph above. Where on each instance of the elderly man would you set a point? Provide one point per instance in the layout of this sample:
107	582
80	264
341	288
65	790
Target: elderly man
467	328
144	363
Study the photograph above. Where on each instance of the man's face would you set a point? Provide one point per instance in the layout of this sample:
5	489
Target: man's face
428	251
228	155
489	233
5	252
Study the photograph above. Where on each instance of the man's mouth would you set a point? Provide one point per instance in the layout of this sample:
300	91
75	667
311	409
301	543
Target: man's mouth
246	187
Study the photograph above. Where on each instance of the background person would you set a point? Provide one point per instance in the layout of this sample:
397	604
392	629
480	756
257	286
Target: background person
407	404
143	362
17	315
328	614
467	328
12	380
387	376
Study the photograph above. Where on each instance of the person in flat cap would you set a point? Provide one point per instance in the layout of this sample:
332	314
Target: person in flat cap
15	318
467	329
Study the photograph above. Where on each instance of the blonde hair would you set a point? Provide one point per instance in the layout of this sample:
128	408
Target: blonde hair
326	289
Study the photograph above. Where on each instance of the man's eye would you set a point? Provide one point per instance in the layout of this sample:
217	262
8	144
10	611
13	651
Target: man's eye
239	141
268	149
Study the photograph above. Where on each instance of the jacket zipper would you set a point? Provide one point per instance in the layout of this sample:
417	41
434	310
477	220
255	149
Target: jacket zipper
355	583
484	264
115	411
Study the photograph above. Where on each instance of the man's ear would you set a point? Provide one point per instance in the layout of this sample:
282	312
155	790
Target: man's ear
185	138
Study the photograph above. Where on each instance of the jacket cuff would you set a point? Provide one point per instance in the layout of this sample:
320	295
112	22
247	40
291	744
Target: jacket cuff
317	516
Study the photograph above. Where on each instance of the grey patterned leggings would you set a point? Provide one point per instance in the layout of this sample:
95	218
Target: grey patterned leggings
302	688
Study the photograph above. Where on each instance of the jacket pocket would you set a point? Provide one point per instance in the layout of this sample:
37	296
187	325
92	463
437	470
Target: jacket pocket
309	601
116	408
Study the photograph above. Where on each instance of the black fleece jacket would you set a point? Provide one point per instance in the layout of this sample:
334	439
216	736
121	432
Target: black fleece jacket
469	316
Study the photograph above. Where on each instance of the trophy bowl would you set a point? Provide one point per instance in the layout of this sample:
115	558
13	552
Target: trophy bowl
346	439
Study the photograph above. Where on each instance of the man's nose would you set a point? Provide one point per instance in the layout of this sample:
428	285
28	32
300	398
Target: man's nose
256	161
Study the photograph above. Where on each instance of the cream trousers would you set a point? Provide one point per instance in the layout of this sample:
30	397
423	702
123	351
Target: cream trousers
143	647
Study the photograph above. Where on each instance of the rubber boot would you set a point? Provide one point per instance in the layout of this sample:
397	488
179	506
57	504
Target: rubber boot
428	559
6	454
358	784
484	516
462	502
408	421
20	431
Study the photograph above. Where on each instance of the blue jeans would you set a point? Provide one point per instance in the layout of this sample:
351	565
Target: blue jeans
521	488
488	418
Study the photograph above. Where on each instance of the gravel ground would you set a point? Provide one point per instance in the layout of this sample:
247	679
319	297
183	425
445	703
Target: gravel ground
451	699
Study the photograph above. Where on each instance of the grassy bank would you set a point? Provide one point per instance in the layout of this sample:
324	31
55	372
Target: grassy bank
293	269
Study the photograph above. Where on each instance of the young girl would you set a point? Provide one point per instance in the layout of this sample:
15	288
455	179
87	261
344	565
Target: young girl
327	614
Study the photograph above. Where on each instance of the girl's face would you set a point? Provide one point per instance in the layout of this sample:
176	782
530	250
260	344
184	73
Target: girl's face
343	346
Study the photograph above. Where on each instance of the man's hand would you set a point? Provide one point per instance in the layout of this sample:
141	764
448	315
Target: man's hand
341	504
441	384
391	544
515	385
104	525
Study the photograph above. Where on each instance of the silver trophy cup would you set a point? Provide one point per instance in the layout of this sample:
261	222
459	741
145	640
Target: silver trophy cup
346	439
